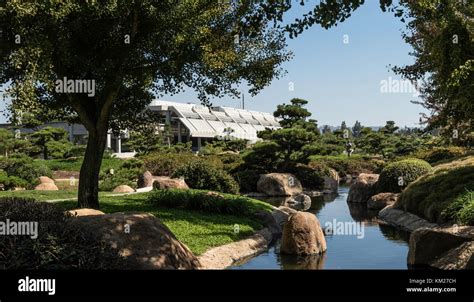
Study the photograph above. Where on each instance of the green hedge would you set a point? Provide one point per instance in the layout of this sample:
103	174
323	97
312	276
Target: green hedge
408	169
205	175
165	164
437	154
311	176
24	167
127	174
247	180
59	245
442	196
11	182
205	201
353	165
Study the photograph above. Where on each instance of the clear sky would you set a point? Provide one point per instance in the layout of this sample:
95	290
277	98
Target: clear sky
340	81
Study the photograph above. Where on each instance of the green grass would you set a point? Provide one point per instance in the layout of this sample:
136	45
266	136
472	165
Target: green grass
40	195
198	230
461	210
201	200
75	164
45	195
443	195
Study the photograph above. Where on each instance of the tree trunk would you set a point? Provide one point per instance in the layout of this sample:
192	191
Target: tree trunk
88	196
45	153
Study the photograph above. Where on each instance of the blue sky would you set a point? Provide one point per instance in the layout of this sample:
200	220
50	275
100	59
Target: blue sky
340	81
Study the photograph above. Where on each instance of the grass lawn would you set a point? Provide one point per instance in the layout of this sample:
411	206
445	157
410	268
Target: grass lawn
444	195
40	195
46	195
198	230
75	164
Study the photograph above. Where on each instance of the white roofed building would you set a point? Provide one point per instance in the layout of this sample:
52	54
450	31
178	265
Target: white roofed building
188	122
198	123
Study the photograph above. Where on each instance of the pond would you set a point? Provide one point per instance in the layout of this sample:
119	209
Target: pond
369	246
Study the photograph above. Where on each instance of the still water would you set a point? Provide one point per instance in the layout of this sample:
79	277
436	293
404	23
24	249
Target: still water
380	247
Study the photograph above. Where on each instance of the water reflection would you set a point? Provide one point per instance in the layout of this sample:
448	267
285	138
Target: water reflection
394	234
382	246
317	202
360	213
311	262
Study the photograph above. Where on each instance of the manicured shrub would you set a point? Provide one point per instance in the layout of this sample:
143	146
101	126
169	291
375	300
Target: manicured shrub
438	154
247	180
127	174
132	163
58	149
11	182
165	164
396	176
349	165
322	149
206	201
26	168
311	176
75	151
264	157
205	175
441	196
230	161
59	245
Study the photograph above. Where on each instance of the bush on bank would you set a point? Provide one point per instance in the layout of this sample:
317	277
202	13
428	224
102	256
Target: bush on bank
205	201
204	175
127	174
397	175
345	165
437	154
445	195
24	169
59	244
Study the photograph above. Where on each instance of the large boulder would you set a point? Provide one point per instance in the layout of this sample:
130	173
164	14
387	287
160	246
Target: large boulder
360	213
46	187
363	188
142	239
279	184
46	184
444	248
404	220
165	182
123	189
303	235
461	257
46	180
331	182
381	200
281	216
145	180
269	222
85	212
300	202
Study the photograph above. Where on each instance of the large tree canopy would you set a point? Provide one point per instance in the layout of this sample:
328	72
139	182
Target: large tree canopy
129	51
441	33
